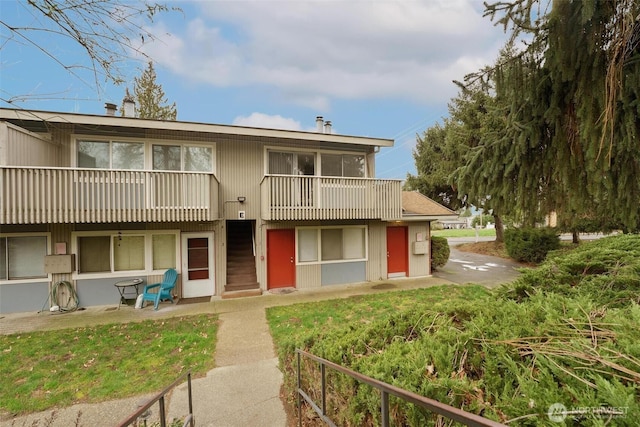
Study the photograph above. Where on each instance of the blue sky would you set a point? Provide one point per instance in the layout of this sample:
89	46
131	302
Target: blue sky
378	68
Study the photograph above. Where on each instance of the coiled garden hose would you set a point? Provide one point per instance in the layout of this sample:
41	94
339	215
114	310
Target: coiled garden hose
72	296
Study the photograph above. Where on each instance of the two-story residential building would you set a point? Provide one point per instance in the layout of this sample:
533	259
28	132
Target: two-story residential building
93	200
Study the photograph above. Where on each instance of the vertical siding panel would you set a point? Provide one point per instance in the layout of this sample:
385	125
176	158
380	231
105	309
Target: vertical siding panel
60	233
28	149
418	264
308	276
377	265
241	168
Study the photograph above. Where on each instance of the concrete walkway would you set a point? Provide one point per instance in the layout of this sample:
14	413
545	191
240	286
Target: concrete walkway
243	389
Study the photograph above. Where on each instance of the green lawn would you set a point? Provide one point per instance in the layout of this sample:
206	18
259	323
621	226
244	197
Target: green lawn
465	232
41	370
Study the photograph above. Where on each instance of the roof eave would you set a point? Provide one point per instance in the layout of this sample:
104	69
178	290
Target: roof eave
97	120
419	217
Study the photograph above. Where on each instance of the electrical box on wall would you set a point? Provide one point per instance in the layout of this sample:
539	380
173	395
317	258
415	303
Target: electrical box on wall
420	248
58	264
242	215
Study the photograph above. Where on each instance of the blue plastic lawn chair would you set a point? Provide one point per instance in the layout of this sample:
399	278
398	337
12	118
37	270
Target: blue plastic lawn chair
163	291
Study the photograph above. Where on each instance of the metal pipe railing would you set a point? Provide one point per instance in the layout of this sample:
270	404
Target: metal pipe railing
159	398
447	411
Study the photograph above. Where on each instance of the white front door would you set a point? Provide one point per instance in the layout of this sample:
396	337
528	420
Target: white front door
197	265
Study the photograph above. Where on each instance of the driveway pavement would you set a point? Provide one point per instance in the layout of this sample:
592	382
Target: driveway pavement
467	267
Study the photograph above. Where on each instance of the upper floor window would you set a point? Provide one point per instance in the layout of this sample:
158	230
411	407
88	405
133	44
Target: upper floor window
281	163
22	257
305	163
110	155
348	165
182	157
138	155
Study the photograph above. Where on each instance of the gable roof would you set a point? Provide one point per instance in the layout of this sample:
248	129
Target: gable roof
419	207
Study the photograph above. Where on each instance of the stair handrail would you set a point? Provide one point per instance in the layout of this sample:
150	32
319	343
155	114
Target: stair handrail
131	419
447	411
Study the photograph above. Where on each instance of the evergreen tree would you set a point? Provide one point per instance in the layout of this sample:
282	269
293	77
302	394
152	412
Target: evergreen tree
149	97
435	162
570	110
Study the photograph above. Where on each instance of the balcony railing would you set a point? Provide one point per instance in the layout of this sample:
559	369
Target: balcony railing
286	197
68	195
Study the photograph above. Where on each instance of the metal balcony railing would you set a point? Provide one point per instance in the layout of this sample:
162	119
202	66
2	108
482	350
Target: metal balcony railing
386	390
291	197
38	195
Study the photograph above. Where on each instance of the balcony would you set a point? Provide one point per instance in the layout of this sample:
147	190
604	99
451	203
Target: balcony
287	197
68	195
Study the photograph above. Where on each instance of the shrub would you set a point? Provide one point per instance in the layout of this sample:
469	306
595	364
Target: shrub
481	220
439	252
530	244
607	270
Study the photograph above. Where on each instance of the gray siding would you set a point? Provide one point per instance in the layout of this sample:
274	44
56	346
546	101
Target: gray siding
100	291
344	272
21	297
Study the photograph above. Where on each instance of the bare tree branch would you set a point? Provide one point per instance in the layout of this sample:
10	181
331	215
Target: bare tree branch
109	32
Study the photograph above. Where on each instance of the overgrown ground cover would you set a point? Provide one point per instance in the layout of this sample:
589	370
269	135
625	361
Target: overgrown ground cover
564	333
42	370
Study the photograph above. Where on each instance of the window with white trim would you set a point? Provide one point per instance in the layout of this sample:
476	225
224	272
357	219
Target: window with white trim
113	252
22	257
292	163
110	154
319	163
95	153
182	157
345	165
331	244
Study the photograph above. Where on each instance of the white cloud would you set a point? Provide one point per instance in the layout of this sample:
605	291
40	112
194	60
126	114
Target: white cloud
261	120
315	51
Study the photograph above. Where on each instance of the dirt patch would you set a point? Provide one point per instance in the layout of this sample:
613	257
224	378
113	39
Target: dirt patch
383	286
282	291
485	248
197	300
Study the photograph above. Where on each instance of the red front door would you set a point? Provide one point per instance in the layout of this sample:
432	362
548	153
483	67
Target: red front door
397	251
281	262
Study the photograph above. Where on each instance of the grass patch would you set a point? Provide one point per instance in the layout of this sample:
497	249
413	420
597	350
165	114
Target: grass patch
42	370
291	326
465	232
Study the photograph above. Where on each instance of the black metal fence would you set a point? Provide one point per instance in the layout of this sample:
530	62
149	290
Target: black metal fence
159	398
455	414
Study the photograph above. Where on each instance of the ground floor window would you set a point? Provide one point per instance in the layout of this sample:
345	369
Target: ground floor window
22	257
114	252
331	244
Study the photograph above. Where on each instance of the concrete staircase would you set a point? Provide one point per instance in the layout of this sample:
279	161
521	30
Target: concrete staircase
242	280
